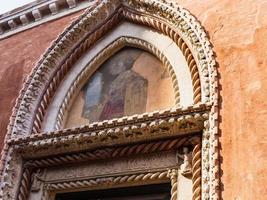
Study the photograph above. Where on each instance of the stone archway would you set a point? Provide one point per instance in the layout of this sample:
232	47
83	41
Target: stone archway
169	19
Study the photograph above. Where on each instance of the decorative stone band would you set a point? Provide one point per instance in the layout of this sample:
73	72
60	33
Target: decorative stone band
163	27
121	151
24	184
173	175
116	180
148	126
37	92
196	171
38	12
47	65
141	178
100	58
128	150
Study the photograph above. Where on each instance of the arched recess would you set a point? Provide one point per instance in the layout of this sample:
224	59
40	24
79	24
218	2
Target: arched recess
125	34
38	91
167	18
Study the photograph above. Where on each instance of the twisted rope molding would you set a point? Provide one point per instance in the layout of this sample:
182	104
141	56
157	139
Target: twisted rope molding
128	150
143	148
99	33
173	175
100	58
143	177
25	184
194	36
167	30
196	171
107	181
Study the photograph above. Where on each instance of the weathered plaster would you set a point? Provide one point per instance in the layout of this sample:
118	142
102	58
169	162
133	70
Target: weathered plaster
238	33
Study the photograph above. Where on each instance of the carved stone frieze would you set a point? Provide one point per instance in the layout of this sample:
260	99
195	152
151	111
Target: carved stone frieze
144	127
37	179
72	171
107	182
168	18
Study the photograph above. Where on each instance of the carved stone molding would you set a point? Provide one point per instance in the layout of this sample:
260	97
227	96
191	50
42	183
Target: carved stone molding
173	175
34	170
36	13
146	177
109	182
169	19
46	79
145	127
112	152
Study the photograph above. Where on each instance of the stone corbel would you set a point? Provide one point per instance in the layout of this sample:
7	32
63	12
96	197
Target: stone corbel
186	159
37	180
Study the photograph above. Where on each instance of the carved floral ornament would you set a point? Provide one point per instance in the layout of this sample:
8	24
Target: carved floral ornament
24	135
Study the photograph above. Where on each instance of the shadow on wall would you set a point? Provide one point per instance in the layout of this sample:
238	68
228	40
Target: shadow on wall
10	85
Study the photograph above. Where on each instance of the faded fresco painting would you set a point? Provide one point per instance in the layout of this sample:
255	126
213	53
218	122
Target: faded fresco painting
130	82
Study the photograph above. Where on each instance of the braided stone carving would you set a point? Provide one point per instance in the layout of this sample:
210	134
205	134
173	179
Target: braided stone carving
144	177
196	171
37	92
25	184
173	175
128	150
143	148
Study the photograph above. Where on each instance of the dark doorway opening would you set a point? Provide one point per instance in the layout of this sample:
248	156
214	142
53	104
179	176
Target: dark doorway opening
146	192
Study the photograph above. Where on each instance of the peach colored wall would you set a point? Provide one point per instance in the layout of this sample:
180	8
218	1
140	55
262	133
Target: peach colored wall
238	31
18	55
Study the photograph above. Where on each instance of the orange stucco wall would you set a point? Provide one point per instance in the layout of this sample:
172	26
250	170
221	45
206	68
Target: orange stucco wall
238	32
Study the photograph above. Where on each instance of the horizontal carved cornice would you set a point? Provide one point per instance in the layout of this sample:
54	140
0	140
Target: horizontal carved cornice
108	181
114	152
136	128
37	13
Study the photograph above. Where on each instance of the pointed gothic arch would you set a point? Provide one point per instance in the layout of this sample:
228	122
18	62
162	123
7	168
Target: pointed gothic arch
169	54
167	18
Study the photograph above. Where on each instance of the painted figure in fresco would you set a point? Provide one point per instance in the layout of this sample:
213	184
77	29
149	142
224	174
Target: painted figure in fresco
116	90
